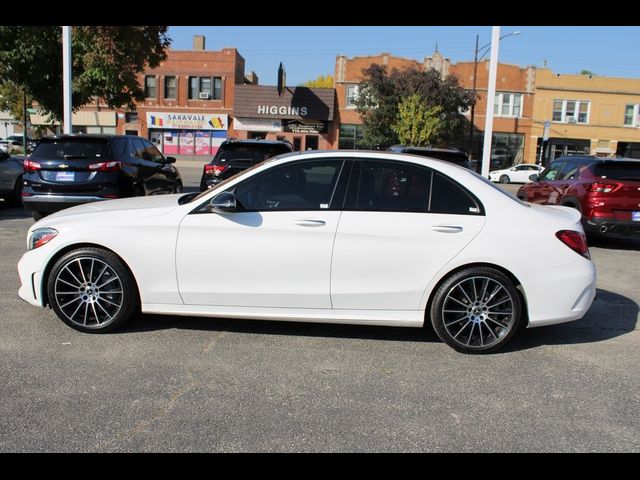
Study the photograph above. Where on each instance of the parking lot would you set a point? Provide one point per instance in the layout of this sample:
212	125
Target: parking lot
179	384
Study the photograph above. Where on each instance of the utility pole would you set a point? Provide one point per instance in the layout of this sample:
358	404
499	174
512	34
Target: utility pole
473	107
66	77
24	122
491	94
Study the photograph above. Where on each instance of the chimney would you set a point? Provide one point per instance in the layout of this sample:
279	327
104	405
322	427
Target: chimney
251	79
198	42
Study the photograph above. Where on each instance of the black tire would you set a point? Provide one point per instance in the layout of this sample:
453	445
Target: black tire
16	196
501	326
178	188
504	179
99	304
38	215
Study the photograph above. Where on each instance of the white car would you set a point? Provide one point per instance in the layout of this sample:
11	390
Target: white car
340	237
11	146
516	174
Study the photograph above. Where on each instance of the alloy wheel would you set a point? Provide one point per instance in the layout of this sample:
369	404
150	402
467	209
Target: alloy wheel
478	312
88	292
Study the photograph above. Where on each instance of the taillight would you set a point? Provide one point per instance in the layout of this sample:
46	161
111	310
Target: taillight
603	187
30	166
576	241
216	170
106	166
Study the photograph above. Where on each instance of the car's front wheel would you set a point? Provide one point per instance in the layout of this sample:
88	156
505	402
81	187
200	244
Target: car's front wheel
476	310
91	290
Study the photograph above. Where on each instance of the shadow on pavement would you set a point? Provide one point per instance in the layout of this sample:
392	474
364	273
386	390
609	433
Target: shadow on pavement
8	212
615	243
611	315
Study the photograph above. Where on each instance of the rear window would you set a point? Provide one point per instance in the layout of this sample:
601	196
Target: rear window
255	153
56	149
618	170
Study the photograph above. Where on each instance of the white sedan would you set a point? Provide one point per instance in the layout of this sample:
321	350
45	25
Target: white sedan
516	174
341	237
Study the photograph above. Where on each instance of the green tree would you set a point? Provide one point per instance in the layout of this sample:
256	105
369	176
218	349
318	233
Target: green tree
418	123
11	100
321	82
586	72
106	62
381	93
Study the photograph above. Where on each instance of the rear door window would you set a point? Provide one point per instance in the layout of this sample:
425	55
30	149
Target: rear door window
449	197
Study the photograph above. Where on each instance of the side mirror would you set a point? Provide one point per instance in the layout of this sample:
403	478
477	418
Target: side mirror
224	202
169	159
533	177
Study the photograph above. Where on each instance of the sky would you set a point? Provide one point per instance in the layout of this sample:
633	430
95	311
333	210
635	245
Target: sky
307	52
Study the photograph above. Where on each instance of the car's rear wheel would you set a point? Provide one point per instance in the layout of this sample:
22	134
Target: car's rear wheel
505	179
91	290
178	188
476	310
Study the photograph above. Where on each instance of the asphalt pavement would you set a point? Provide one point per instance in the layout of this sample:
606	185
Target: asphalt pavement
182	384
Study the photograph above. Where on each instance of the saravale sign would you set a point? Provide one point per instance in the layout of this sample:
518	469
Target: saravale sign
297	126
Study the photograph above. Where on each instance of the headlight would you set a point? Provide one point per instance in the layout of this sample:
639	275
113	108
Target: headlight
41	236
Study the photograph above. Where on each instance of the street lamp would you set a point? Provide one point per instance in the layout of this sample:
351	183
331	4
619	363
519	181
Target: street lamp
487	49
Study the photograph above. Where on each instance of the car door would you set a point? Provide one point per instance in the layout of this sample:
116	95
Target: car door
166	172
275	250
402	223
148	171
542	190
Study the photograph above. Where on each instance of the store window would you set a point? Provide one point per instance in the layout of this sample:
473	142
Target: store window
508	105
205	88
131	117
150	86
507	149
352	95
571	111
170	87
350	136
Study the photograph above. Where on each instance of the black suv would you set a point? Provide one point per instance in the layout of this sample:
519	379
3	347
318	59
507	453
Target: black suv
447	154
68	170
234	156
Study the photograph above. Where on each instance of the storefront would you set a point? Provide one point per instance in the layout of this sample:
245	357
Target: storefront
187	133
301	115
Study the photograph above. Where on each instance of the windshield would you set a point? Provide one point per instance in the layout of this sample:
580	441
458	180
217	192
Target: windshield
618	170
59	149
255	153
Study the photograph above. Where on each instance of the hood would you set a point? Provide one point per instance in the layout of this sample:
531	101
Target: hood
152	205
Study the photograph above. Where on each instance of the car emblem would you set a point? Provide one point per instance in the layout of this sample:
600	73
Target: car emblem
63	165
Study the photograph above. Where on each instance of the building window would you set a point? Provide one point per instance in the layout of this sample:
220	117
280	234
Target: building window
350	136
507	105
170	87
352	95
205	88
632	116
150	86
571	111
131	117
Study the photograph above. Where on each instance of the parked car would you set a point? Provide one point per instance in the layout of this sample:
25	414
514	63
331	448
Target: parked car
606	191
447	154
10	178
234	156
68	170
11	146
337	236
516	174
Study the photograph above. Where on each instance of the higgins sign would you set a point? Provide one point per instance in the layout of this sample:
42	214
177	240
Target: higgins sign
187	121
284	110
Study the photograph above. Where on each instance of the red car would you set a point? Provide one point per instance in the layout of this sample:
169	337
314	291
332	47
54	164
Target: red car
605	190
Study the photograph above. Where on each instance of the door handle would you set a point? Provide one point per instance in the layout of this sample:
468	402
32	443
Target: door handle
447	228
310	223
